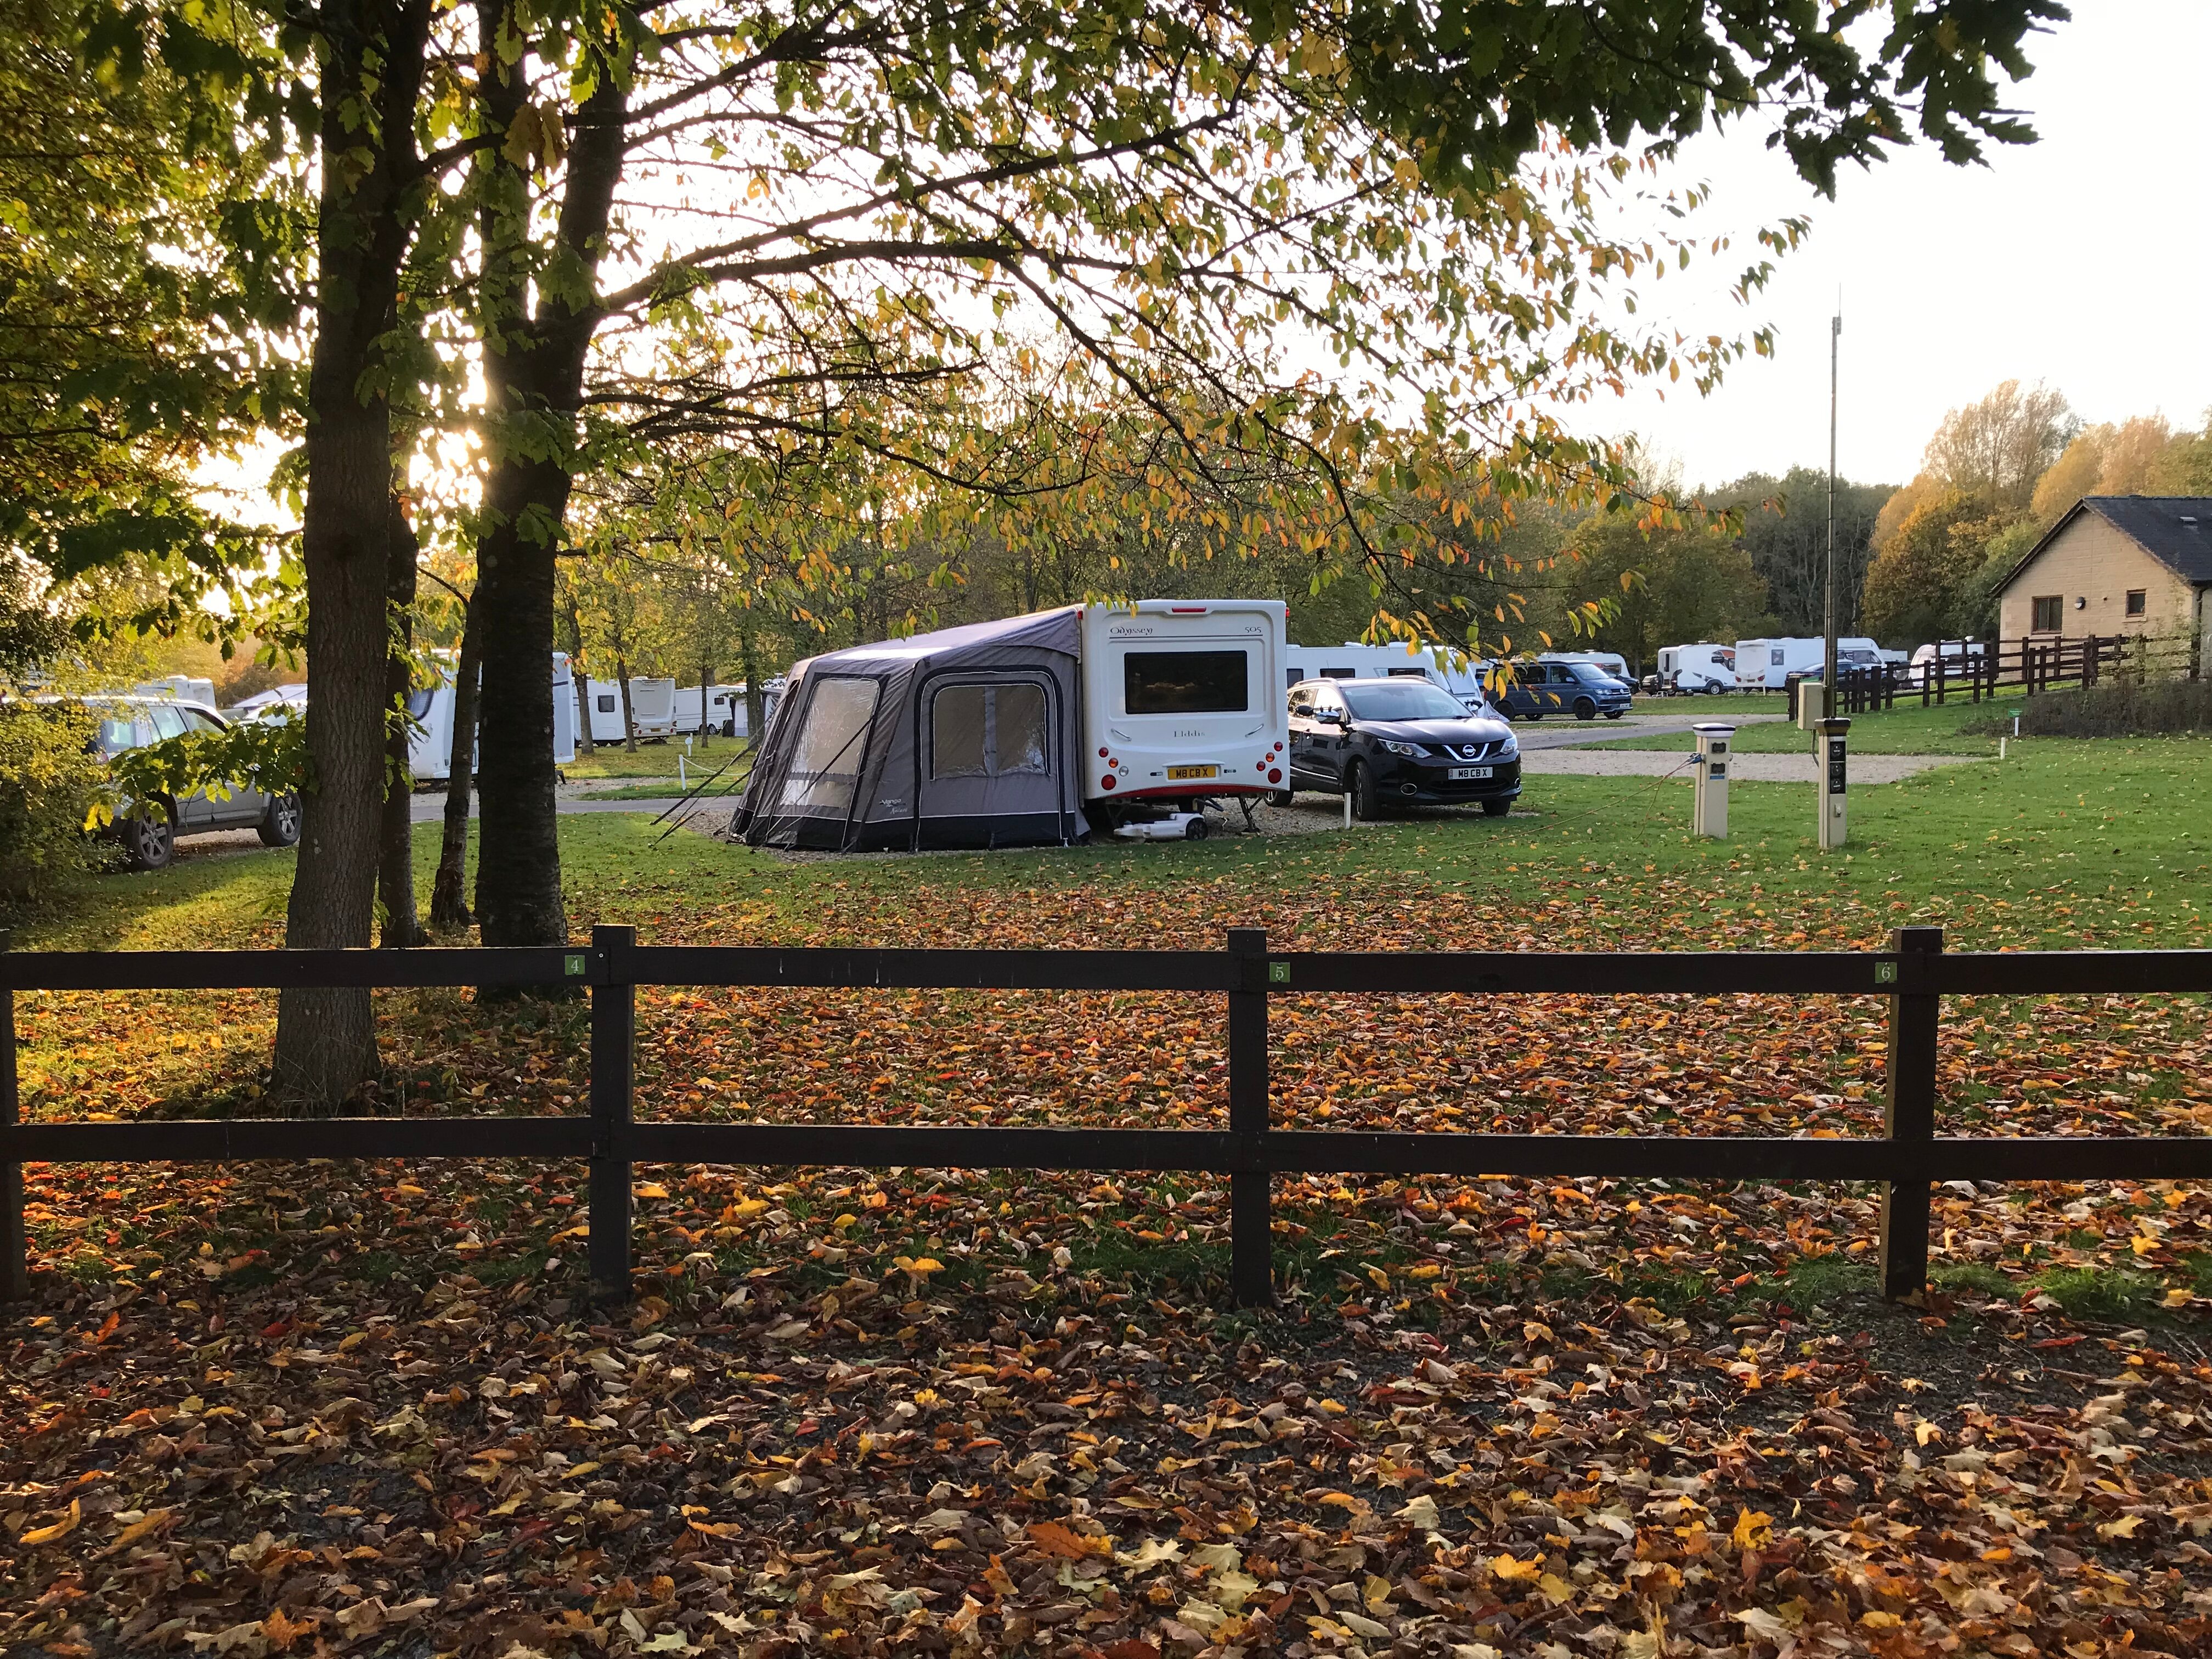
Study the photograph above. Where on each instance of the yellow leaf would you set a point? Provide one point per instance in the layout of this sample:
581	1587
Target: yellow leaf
61	1528
1555	1588
651	1189
1505	1566
137	1529
2124	1528
1752	1527
1924	1431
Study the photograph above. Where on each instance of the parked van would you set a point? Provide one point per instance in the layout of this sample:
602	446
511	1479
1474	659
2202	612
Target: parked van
652	708
178	688
1704	667
430	746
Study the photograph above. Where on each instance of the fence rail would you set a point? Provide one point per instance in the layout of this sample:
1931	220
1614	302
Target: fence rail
1979	671
1913	974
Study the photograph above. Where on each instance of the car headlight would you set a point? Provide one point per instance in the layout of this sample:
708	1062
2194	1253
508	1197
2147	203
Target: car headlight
1510	748
1401	748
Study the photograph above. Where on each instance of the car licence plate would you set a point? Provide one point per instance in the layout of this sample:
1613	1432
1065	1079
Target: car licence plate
1467	774
1177	773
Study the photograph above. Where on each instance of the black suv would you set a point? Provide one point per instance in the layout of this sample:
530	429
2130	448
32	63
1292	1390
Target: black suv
1401	741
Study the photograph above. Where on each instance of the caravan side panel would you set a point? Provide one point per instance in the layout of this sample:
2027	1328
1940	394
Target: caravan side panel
564	711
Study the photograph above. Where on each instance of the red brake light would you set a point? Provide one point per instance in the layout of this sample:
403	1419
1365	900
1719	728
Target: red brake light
1274	775
1106	782
1101	754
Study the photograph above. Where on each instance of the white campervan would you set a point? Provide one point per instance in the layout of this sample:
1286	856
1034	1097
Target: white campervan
1183	699
1697	668
430	746
724	710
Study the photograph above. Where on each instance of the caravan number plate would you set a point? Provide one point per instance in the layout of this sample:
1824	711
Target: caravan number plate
1177	773
1469	773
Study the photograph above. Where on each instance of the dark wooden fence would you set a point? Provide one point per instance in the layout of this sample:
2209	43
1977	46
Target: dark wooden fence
1982	671
1914	974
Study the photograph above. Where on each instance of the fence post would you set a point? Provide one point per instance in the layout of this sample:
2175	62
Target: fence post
1251	1191
1909	1113
614	1044
14	1247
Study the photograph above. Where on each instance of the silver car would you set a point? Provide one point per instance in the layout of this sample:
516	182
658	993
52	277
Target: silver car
150	836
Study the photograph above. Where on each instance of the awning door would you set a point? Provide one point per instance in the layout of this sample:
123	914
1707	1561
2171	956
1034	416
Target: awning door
988	747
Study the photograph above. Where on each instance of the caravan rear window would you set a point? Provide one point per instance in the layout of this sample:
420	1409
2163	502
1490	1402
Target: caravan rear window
1185	683
825	762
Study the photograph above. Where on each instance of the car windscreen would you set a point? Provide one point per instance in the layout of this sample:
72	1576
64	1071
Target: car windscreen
1405	700
1186	682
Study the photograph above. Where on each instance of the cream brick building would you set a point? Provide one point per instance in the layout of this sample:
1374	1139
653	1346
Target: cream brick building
2117	564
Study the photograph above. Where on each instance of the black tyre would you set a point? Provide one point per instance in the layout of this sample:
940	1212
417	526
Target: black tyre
1614	713
150	836
1496	809
1366	799
1197	830
1585	708
1281	798
280	824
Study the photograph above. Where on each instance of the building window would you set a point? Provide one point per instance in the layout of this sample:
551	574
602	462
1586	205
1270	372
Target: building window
2138	602
2049	608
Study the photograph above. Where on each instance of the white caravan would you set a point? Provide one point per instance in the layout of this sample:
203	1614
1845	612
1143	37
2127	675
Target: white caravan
1183	699
1767	665
1959	658
726	716
430	746
1697	668
652	708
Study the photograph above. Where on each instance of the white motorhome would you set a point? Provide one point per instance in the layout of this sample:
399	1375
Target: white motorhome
724	710
178	688
1767	665
1703	667
1183	699
1608	662
1353	661
651	708
430	746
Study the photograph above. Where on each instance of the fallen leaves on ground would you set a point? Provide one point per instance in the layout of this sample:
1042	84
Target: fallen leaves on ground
363	1408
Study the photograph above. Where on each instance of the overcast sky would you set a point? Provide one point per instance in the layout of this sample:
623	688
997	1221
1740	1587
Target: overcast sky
2084	260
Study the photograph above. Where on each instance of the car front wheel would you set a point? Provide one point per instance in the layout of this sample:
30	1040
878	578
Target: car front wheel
150	836
280	824
1366	799
1496	809
1585	709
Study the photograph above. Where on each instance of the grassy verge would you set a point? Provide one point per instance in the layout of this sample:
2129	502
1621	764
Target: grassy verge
1955	728
652	760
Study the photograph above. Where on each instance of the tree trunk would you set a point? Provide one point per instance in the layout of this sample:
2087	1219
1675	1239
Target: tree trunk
374	53
622	679
578	678
750	664
537	369
395	876
448	907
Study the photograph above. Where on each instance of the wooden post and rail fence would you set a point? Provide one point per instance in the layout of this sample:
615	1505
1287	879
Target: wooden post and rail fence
1913	974
1978	671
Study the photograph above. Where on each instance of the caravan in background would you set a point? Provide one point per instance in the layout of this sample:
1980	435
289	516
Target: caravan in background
430	746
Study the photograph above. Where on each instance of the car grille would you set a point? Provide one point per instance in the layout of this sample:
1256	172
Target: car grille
1469	751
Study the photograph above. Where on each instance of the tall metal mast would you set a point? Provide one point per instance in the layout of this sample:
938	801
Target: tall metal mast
1828	656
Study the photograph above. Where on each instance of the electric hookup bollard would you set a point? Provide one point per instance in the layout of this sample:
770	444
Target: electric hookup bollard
1710	816
1828	757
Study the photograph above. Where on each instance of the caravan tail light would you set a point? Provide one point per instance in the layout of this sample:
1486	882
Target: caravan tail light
1275	776
1106	782
1101	754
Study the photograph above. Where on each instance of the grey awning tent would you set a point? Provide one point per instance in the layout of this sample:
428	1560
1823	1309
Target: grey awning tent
963	737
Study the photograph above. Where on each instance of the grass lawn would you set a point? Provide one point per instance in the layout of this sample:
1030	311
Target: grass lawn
652	760
985	1412
1953	728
